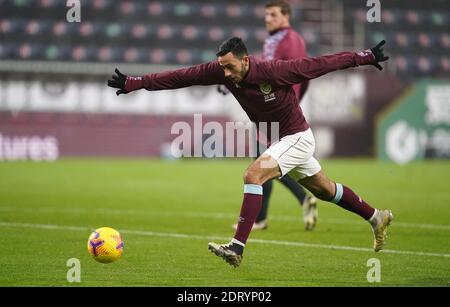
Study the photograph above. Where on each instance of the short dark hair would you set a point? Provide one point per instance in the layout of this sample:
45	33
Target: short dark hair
234	45
284	6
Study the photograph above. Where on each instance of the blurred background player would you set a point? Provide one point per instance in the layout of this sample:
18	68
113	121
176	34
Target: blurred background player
285	43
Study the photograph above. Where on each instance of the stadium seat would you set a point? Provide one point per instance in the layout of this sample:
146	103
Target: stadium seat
259	11
61	28
10	28
445	40
6	51
23	3
207	56
82	53
128	8
240	32
87	29
190	33
141	31
183	9
105	54
438	20
216	34
426	40
234	10
133	55
100	5
444	64
156	8
27	51
162	56
113	30
391	17
414	18
37	27
57	53
47	4
426	65
166	31
402	64
184	56
208	10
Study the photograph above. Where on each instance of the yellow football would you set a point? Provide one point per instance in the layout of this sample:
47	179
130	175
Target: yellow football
105	245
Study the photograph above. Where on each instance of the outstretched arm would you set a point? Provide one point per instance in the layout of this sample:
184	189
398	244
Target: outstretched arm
297	70
203	74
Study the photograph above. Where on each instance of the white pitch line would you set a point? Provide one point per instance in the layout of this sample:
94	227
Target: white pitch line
213	215
199	237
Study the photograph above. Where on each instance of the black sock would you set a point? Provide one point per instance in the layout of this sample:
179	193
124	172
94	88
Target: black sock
267	191
295	188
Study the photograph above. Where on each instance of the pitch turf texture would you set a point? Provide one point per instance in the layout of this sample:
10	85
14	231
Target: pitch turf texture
167	212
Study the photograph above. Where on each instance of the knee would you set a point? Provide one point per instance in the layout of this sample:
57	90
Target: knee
252	177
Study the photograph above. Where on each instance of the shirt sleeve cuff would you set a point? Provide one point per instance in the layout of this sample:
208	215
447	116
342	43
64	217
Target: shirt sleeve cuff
134	83
365	57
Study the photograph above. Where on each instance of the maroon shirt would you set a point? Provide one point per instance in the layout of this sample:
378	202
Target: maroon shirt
286	44
266	93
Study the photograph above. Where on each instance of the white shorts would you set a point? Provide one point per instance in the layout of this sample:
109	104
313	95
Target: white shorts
294	155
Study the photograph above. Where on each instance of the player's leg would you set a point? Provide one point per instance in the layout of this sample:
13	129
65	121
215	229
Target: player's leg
295	188
325	189
260	171
308	203
261	219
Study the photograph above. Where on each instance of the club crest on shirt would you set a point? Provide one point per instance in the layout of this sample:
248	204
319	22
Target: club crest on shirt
265	88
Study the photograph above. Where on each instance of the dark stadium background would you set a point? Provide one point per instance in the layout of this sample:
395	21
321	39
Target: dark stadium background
53	73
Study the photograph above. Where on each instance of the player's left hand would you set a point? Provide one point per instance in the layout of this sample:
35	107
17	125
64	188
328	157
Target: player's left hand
379	55
118	82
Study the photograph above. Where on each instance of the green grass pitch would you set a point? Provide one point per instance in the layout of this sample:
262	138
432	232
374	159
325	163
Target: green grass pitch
167	212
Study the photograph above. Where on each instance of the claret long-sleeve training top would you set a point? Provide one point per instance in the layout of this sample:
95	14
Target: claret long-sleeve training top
266	93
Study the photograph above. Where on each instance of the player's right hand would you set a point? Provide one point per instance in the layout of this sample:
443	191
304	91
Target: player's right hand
379	55
118	82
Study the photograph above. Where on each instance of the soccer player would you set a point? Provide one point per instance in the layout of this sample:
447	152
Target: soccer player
284	43
264	90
